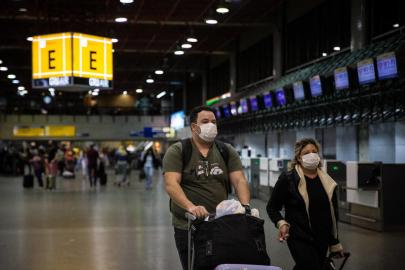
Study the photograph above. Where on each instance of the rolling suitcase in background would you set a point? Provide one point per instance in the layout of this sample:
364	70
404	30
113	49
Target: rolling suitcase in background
103	179
28	181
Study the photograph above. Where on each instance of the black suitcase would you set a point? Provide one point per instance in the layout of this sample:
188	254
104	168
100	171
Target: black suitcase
28	181
233	239
103	179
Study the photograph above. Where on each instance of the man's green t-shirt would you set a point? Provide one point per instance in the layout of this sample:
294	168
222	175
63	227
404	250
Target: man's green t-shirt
203	179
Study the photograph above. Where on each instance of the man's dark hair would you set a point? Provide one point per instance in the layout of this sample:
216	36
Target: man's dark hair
194	112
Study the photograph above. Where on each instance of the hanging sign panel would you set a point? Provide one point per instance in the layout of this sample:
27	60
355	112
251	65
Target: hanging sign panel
72	61
44	131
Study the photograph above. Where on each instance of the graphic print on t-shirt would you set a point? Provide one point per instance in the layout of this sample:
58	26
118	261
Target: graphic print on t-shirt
204	168
215	169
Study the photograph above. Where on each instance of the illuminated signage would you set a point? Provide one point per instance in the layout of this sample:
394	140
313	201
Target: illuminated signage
44	131
68	60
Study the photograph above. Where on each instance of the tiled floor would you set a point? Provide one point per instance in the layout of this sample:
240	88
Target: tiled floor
129	228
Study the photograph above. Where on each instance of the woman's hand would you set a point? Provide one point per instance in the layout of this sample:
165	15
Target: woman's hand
283	232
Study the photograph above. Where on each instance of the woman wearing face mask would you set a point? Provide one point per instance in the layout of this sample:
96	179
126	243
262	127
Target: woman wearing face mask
308	196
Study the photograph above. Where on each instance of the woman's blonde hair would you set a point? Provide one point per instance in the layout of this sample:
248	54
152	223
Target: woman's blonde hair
299	145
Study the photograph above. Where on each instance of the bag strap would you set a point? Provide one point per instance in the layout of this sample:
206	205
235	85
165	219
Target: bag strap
186	151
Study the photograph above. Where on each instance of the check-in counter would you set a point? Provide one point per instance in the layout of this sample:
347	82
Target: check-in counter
374	193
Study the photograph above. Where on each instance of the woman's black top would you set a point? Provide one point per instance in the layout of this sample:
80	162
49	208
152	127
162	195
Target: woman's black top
319	210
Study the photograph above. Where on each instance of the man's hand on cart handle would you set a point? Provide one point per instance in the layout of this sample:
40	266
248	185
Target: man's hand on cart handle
198	210
283	232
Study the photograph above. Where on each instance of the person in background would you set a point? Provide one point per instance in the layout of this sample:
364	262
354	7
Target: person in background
148	162
92	162
121	166
308	196
38	164
51	171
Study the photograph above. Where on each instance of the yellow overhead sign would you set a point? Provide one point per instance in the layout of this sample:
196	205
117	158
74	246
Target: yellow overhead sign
44	131
60	131
69	59
28	132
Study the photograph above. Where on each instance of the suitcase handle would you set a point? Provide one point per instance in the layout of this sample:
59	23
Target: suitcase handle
346	256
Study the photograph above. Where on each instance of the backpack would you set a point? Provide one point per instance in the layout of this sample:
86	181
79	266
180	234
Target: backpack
187	149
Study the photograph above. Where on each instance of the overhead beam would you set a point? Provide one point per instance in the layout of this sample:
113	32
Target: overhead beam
125	69
149	51
49	19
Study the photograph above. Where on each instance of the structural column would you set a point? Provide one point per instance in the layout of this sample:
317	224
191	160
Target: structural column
278	42
184	97
359	27
233	69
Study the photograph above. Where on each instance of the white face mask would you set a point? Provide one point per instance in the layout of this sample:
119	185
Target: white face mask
208	132
311	161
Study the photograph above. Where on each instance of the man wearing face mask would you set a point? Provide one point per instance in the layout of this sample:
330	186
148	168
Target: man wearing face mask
308	196
201	184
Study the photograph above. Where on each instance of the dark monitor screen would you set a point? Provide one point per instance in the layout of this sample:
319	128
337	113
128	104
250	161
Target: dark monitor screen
226	112
298	88
280	97
243	106
366	71
268	102
234	109
341	78
387	66
336	170
316	86
253	103
369	175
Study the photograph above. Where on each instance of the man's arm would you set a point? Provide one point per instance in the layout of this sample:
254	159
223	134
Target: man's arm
176	193
241	186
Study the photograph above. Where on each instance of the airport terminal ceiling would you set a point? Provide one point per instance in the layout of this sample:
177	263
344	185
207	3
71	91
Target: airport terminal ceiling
146	41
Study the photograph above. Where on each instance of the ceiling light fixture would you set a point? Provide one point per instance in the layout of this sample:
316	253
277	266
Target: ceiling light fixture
11	76
114	40
127	1
121	19
395	25
125	93
192	39
139	90
324	54
1	62
222	8
15	81
150	80
186	45
23	10
211	21
30	39
178	52
336	48
3	68
159	72
161	94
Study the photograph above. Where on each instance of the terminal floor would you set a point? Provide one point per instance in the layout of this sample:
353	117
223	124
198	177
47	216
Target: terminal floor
115	228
